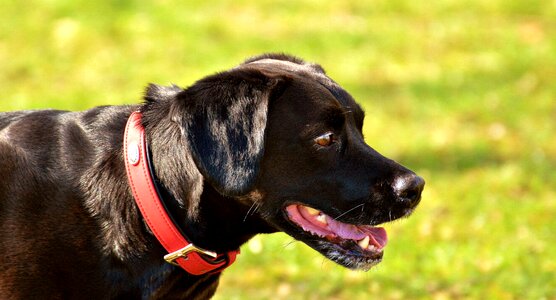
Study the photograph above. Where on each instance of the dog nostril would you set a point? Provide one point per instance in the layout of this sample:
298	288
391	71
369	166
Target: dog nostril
408	188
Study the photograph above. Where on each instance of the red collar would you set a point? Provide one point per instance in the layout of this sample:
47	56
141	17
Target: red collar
182	253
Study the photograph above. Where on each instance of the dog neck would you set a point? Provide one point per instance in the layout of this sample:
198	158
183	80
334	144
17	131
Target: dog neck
148	193
209	219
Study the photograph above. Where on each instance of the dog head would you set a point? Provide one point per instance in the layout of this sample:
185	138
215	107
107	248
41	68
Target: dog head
280	128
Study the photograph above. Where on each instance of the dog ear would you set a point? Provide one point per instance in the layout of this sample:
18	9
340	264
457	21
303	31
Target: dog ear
223	118
154	92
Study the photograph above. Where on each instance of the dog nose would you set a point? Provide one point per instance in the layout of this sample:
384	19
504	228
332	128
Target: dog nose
408	188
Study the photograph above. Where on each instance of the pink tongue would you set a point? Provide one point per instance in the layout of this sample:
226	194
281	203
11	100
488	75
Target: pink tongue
378	234
345	231
352	232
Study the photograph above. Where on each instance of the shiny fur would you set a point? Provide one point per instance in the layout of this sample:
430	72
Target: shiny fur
230	152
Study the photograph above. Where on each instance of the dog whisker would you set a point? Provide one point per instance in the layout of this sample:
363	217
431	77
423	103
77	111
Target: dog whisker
362	214
347	112
251	210
290	243
324	260
350	210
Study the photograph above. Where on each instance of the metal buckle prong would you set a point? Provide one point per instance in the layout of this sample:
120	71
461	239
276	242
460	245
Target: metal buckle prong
183	252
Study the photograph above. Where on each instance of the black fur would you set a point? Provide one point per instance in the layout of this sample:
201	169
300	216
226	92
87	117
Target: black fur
230	152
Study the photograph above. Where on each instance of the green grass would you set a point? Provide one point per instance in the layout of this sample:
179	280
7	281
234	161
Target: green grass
461	92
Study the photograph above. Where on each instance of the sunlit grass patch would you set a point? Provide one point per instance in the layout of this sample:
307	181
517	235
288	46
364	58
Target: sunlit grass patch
461	92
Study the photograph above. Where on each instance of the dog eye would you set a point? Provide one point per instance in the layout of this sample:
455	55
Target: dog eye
325	140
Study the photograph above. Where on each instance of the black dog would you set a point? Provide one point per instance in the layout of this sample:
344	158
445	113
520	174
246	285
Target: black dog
271	145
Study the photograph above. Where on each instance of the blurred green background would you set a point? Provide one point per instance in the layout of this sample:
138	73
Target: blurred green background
462	92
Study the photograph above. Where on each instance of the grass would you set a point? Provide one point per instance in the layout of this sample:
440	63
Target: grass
461	92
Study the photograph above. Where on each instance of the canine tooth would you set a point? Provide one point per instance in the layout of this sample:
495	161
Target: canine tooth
321	218
312	211
364	243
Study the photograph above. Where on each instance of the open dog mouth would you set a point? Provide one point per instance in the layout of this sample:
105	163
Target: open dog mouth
354	246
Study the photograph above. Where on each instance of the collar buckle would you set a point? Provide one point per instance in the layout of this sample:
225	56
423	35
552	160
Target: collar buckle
185	251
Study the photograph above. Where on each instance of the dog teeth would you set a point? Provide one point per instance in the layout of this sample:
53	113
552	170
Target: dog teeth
364	243
321	218
312	211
